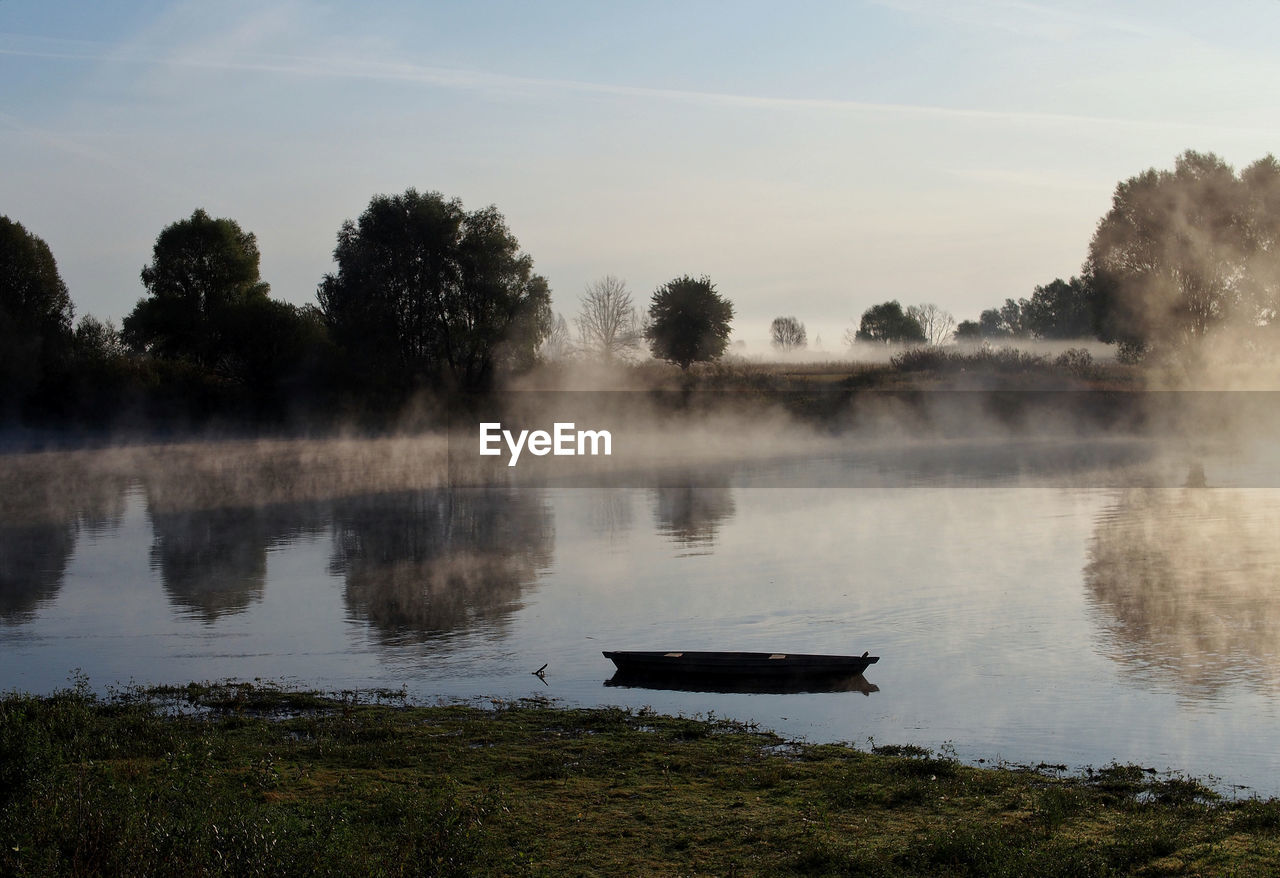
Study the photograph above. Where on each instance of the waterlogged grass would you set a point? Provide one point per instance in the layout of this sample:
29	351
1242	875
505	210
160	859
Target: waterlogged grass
248	780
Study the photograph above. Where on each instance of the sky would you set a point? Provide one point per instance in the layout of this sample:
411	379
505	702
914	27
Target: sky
812	159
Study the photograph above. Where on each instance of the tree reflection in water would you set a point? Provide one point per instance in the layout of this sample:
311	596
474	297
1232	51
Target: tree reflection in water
33	559
425	563
46	501
609	513
213	562
1187	585
690	510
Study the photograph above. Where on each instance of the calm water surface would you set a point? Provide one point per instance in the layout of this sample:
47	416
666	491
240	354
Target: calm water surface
1073	622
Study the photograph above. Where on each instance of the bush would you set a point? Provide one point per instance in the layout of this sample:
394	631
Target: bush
1074	362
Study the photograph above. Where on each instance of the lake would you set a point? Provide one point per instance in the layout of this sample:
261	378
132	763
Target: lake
1067	603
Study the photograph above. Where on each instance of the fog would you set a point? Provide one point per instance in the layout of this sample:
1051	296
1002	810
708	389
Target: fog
759	350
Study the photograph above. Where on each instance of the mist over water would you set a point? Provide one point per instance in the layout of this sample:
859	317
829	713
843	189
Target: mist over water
1036	591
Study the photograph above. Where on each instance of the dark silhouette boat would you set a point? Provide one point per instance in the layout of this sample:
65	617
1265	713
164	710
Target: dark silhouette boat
758	671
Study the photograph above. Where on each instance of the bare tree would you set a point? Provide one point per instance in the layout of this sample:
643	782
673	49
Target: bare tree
609	326
557	345
788	334
938	325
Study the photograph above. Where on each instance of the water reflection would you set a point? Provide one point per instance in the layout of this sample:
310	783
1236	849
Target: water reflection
429	562
765	686
610	512
213	562
1185	582
46	501
33	559
690	510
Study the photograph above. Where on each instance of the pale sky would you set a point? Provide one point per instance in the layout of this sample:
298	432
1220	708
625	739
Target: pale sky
812	158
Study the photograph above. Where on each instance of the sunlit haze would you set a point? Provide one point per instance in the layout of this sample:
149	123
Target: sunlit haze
813	159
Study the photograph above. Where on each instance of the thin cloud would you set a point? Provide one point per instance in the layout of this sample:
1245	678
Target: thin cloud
512	86
1029	19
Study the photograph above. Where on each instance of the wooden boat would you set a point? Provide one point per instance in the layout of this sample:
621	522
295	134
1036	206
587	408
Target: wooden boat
748	666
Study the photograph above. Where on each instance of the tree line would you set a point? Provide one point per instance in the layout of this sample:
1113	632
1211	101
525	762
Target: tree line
429	295
425	295
1180	255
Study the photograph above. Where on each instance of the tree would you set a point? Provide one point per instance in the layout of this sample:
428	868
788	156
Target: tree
688	321
608	324
203	271
936	324
557	345
35	311
1262	188
888	323
1059	309
1182	251
98	342
788	334
426	291
1007	321
969	331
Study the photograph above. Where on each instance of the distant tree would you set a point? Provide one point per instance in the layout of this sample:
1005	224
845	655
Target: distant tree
888	323
991	326
103	378
1007	321
427	291
202	271
688	321
608	323
558	345
35	311
1183	251
968	330
98	341
937	325
1059	309
788	334
1012	318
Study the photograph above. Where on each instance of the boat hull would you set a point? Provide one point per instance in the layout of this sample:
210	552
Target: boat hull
740	666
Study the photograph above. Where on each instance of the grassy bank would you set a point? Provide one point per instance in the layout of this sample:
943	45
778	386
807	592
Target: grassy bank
250	780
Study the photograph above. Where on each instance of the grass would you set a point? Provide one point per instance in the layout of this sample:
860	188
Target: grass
247	780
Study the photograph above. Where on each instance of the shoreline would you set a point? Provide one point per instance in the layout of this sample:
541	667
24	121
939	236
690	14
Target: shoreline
254	777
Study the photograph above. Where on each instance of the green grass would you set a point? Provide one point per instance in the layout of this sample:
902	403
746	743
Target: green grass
245	780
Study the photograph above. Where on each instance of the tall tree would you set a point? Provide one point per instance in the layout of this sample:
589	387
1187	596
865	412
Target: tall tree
1170	259
427	291
608	323
203	272
787	334
35	310
888	323
688	321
